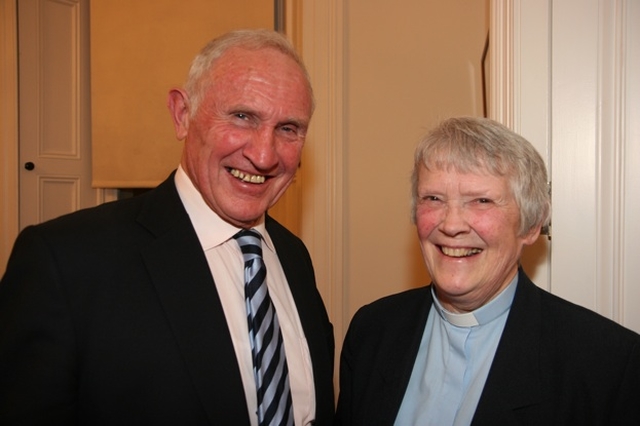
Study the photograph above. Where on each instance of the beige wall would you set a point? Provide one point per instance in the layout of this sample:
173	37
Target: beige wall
140	50
408	64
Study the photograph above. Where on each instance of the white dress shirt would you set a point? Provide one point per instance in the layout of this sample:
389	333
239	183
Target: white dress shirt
225	261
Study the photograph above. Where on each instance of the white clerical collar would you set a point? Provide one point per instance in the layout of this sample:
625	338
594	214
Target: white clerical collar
467	319
484	314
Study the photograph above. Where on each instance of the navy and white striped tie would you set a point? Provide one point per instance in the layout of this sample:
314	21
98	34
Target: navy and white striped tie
267	347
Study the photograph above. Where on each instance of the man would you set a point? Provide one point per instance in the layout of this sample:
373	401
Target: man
482	345
134	312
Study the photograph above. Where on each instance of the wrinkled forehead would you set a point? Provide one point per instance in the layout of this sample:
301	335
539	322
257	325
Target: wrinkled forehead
239	65
267	60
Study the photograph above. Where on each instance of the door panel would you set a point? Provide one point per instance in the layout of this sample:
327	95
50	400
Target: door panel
57	196
55	156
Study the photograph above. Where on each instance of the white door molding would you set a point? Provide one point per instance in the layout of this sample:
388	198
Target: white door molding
519	92
501	51
595	103
323	216
8	129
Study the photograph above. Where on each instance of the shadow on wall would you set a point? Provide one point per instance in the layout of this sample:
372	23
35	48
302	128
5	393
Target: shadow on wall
535	255
418	274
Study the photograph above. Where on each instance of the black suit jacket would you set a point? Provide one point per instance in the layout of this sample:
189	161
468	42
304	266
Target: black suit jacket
556	363
110	316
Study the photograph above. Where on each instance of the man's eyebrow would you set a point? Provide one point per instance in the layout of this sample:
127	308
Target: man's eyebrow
295	121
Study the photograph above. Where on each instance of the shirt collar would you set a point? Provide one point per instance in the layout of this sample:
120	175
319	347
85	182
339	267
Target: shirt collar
211	229
484	314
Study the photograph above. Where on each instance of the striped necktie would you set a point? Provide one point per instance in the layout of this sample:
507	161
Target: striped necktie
267	347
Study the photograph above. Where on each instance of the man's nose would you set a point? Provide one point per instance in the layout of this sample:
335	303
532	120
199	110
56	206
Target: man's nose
261	149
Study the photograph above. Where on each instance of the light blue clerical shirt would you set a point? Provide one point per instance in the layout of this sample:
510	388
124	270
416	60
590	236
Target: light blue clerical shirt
453	362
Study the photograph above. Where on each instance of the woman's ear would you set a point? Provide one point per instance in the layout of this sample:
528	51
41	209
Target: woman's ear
178	104
531	235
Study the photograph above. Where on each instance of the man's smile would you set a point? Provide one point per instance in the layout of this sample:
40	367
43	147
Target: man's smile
246	177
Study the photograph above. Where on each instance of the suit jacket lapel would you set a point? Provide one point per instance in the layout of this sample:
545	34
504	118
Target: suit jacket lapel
514	378
182	279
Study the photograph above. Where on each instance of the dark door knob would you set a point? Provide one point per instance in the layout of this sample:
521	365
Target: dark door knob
29	165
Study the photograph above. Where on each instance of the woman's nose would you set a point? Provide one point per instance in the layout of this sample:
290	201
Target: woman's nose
454	220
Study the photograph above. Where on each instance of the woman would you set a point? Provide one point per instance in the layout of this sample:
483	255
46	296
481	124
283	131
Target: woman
482	344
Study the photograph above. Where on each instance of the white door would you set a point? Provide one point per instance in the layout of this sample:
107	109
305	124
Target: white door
576	94
54	109
595	135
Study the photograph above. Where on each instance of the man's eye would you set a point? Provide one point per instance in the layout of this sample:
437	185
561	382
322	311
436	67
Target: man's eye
291	131
484	201
431	198
289	128
241	116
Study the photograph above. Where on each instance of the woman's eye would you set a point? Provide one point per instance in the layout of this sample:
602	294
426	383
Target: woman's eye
484	202
430	198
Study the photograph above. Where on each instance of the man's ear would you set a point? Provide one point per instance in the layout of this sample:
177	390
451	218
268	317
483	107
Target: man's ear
178	104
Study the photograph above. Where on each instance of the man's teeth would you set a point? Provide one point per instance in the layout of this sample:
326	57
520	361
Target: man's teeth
460	252
245	177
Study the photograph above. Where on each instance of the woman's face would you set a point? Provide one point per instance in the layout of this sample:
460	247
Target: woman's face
468	227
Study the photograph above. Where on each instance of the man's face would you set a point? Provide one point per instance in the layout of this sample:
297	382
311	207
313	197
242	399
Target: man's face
468	227
243	146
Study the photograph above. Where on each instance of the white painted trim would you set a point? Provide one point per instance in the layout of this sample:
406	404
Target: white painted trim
8	129
323	216
531	108
501	84
610	163
629	294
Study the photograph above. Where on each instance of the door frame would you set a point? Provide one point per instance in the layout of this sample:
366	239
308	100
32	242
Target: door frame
9	212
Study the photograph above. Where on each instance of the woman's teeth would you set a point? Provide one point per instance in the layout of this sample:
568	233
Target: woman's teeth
460	252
